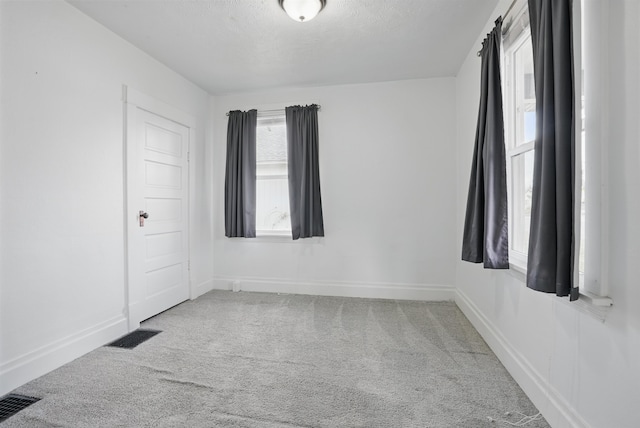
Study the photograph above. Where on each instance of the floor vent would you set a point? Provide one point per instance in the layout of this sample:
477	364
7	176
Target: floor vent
134	338
13	403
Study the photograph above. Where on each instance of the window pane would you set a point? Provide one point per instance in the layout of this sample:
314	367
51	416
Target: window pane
272	187
521	185
525	97
271	143
520	127
272	205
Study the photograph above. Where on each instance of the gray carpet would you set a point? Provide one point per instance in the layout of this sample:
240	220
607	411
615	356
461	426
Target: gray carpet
267	360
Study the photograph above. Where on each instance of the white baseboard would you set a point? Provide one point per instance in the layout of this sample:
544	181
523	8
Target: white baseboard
555	409
202	288
31	365
425	292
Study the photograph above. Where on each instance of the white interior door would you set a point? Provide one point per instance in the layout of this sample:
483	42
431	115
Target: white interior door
157	209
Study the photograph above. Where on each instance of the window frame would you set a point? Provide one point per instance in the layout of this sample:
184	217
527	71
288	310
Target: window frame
592	124
517	259
271	233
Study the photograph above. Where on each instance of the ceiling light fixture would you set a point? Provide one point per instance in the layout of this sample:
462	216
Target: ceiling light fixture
302	10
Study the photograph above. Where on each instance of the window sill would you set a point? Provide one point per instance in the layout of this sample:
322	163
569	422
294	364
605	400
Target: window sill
283	238
597	307
273	233
518	271
273	236
588	303
595	300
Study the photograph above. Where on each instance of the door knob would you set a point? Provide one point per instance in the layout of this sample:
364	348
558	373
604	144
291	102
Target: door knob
143	215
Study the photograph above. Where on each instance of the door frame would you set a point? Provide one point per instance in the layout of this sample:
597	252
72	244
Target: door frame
133	100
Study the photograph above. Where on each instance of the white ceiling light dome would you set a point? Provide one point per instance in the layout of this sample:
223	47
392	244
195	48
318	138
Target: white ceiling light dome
302	10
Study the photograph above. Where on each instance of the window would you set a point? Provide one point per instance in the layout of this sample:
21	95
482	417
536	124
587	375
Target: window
519	110
272	187
520	126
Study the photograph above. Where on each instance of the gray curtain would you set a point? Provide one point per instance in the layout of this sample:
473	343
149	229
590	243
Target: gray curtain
551	240
485	236
305	203
240	176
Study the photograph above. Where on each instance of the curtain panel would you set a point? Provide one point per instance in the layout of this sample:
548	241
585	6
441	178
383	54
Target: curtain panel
305	202
240	175
485	237
551	240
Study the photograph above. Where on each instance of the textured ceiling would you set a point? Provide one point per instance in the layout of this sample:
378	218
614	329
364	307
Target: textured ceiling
230	46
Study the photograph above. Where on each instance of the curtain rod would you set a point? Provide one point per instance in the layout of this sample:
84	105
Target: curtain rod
274	110
504	17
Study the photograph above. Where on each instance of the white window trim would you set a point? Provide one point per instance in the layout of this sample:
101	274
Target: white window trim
595	282
593	290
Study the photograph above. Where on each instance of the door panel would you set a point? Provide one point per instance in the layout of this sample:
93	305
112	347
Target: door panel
164	280
163	140
161	175
163	245
166	209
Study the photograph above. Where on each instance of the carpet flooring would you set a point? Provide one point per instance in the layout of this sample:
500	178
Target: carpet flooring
254	360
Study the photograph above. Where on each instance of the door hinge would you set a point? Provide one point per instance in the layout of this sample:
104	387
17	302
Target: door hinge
188	156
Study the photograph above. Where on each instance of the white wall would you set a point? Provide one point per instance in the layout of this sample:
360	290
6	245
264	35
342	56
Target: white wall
61	182
578	370
387	180
383	146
